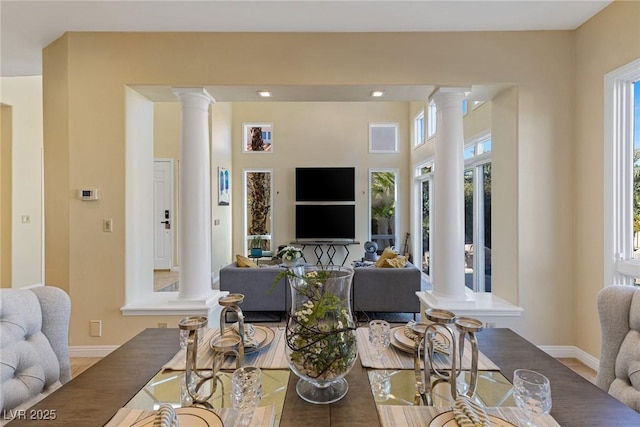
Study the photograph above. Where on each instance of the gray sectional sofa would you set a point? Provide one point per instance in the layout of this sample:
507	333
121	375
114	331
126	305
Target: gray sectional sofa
374	289
387	289
254	284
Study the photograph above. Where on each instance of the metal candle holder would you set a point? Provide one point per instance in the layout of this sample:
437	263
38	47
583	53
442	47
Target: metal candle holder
192	324
469	326
445	322
225	344
231	303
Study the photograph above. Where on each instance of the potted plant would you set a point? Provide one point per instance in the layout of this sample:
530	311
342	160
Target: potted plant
290	256
256	246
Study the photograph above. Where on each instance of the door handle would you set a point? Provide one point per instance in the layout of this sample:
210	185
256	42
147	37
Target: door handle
167	224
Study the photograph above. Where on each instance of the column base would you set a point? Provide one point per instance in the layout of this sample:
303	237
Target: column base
438	299
203	301
475	304
168	303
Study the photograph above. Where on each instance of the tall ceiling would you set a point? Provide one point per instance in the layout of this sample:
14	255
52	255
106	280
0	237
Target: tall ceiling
26	27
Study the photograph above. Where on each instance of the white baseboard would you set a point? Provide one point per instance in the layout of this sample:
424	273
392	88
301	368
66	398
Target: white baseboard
91	350
174	269
569	351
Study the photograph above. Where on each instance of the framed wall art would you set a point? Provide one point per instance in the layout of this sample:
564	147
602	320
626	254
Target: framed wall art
257	137
224	186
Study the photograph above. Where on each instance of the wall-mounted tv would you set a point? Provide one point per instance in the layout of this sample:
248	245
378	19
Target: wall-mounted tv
325	222
325	184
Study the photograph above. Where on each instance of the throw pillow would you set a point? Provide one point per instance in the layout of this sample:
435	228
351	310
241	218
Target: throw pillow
243	261
388	253
398	262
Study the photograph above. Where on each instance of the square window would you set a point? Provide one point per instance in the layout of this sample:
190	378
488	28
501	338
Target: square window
383	137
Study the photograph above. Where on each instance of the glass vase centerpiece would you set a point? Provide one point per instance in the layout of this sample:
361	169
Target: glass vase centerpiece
321	341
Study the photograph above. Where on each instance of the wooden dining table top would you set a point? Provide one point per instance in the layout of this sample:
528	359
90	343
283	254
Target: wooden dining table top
92	398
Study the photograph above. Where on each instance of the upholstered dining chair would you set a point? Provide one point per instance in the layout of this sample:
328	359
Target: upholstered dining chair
34	345
619	371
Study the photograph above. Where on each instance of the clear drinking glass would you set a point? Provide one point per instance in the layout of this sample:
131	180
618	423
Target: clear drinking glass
380	385
246	391
379	336
532	393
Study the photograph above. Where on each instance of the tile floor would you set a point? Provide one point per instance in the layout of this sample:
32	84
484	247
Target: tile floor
165	280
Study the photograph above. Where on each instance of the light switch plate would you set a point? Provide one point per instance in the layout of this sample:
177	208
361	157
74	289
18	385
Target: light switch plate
95	328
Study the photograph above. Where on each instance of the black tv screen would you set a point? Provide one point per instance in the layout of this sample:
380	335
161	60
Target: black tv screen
325	222
325	184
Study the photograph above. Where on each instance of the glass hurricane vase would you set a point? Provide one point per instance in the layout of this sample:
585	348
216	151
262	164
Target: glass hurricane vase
321	342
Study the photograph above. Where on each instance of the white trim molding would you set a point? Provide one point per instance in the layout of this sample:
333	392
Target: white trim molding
619	267
91	350
571	352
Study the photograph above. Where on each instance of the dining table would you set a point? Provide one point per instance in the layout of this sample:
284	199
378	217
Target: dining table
93	397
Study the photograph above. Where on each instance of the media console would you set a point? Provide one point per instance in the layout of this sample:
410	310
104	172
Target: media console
330	251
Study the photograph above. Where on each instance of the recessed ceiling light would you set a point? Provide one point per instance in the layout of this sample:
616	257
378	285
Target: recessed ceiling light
264	93
377	93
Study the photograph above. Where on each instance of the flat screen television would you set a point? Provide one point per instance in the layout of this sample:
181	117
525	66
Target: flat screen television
326	222
325	184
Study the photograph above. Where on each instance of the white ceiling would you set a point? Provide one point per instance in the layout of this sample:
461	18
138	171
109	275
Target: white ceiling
26	26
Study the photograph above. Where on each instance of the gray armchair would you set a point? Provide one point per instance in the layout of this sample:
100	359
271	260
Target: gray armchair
34	342
619	371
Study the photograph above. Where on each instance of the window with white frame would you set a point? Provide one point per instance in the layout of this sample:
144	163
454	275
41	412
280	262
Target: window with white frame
383	198
424	190
622	175
431	119
418	126
477	208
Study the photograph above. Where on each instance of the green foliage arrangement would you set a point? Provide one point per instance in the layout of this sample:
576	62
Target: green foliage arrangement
320	331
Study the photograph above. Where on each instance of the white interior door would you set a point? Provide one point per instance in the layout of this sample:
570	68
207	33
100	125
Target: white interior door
163	214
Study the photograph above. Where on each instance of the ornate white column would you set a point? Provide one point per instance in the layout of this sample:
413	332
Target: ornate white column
448	199
195	197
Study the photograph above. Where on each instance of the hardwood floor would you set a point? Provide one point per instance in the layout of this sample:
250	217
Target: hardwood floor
579	368
79	364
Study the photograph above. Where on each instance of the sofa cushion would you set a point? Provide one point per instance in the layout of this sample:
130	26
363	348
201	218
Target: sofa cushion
399	261
29	365
388	253
243	261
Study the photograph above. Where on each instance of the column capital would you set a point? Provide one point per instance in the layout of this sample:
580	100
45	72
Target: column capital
184	93
449	96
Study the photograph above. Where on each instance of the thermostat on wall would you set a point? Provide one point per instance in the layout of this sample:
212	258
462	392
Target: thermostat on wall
91	194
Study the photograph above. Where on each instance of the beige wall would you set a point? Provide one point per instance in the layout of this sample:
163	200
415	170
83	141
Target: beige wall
540	64
24	96
608	41
5	195
221	140
319	134
478	120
